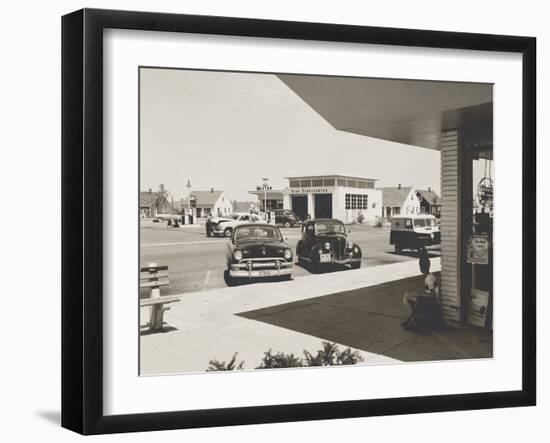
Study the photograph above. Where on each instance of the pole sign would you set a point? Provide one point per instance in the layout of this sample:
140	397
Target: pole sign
477	249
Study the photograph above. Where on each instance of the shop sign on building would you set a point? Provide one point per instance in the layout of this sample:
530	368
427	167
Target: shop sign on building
310	191
477	249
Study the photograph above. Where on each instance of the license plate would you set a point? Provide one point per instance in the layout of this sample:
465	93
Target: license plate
325	258
264	273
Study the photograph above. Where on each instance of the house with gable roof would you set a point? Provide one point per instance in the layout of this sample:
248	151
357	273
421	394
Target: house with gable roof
430	202
153	203
401	200
211	202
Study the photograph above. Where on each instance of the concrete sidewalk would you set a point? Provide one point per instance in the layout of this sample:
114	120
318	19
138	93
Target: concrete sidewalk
351	308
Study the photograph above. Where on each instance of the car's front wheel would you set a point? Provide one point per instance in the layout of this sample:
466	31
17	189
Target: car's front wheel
314	267
356	265
229	281
227	232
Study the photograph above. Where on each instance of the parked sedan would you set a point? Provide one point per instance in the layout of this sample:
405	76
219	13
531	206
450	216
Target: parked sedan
285	217
324	242
226	227
257	251
160	217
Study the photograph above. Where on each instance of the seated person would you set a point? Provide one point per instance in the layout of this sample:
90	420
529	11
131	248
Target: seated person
431	286
426	312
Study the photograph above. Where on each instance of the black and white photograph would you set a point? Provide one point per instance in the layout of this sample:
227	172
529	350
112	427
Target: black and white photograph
290	220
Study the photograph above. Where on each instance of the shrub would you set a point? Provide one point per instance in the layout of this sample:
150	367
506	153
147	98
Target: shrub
280	360
329	355
215	365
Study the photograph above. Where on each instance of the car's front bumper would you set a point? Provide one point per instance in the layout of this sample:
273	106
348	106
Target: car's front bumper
344	261
261	268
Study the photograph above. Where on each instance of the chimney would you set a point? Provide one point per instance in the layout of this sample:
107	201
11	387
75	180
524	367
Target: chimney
211	190
150	191
399	186
429	189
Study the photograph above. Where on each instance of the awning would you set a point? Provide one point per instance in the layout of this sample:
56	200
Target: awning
413	112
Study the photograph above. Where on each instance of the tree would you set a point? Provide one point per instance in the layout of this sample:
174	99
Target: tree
163	191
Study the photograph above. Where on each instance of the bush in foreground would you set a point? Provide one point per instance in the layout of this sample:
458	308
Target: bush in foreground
329	355
215	365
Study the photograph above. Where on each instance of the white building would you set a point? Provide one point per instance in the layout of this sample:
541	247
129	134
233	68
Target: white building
209	202
349	198
402	200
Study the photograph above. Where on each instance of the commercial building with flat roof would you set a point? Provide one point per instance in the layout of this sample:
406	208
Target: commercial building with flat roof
349	198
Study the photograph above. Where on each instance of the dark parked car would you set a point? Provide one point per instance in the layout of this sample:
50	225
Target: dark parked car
256	251
285	217
324	242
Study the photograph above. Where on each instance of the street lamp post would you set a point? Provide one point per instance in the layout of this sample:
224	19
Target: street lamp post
188	186
265	187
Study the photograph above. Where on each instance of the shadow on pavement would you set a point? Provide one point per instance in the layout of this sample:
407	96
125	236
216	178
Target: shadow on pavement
145	331
326	269
432	253
370	319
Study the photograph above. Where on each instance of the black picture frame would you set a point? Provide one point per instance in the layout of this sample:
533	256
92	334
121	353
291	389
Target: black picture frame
82	218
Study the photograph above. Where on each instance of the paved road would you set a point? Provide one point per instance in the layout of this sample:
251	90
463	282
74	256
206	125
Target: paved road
196	262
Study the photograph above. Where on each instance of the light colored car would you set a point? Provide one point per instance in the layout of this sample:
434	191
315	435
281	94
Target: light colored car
160	217
226	227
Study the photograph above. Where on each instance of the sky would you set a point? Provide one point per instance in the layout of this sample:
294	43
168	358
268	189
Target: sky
229	130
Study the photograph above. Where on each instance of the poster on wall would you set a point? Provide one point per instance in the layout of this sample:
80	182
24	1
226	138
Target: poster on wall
477	314
477	249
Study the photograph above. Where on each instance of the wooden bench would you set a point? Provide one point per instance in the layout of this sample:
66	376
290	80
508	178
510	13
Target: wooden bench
154	277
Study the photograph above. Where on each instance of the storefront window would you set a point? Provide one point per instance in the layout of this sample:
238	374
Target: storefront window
317	182
357	201
328	182
305	183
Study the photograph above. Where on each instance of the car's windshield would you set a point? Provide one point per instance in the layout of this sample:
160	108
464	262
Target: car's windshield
330	227
424	222
263	233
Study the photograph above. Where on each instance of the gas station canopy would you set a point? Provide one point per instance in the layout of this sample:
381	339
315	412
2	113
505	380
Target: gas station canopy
413	112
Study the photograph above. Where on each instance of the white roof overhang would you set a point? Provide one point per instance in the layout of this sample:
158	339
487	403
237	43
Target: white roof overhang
413	112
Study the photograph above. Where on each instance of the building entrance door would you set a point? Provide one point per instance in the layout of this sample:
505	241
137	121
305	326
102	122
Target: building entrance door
299	206
323	205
